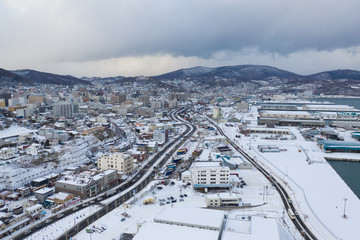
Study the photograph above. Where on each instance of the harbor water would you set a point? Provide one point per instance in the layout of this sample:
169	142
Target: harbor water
348	171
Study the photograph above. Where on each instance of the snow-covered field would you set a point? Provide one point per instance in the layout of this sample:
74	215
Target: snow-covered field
316	188
115	222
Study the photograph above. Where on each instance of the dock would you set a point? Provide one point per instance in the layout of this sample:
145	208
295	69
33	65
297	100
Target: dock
342	159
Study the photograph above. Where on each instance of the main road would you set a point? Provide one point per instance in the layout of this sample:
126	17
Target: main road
124	191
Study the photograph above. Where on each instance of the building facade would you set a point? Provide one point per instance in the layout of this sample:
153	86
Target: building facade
118	161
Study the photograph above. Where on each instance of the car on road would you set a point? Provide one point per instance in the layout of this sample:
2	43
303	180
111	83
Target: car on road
93	201
60	215
75	208
48	220
100	198
85	204
39	225
27	232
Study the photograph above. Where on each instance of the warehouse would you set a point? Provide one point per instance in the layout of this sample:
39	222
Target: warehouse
158	231
192	217
339	146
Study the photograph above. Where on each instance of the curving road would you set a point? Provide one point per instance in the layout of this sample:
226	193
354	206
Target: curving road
125	190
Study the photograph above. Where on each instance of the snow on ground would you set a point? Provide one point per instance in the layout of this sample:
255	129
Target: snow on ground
140	213
317	189
56	229
14	131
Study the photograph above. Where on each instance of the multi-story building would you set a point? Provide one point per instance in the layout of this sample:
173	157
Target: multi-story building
63	110
87	184
160	135
210	174
222	199
36	98
7	153
5	96
119	161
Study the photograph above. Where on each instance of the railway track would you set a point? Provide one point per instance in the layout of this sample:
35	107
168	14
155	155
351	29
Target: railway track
285	197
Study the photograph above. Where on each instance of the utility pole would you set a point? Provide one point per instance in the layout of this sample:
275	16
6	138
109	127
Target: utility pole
345	199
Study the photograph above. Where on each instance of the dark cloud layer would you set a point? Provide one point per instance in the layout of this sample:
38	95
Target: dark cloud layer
86	30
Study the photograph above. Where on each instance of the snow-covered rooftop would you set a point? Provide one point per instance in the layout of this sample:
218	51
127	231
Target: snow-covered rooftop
192	216
161	231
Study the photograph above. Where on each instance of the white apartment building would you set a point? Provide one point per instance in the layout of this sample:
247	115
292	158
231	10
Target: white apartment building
7	153
210	174
119	161
33	149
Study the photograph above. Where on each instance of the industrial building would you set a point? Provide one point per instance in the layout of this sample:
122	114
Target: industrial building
339	146
192	217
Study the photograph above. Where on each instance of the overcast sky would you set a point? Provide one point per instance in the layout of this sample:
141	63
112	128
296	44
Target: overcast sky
150	37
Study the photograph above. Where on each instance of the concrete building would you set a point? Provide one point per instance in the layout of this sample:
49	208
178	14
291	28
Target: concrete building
181	97
217	113
87	184
119	161
33	149
43	193
145	100
160	135
222	200
17	101
330	108
63	110
286	114
210	174
36	98
276	131
7	153
242	107
5	96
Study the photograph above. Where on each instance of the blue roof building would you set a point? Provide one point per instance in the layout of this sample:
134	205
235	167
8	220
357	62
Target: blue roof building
339	146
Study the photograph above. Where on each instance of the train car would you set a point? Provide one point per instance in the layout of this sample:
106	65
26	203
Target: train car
291	214
182	151
177	160
171	166
169	171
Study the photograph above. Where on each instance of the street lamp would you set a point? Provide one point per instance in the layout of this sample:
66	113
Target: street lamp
345	199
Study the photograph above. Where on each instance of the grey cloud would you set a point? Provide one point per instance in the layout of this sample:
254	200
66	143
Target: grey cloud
94	30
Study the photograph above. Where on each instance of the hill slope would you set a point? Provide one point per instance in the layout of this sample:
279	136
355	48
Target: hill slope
48	78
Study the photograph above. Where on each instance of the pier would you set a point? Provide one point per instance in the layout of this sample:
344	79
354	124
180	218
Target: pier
342	159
